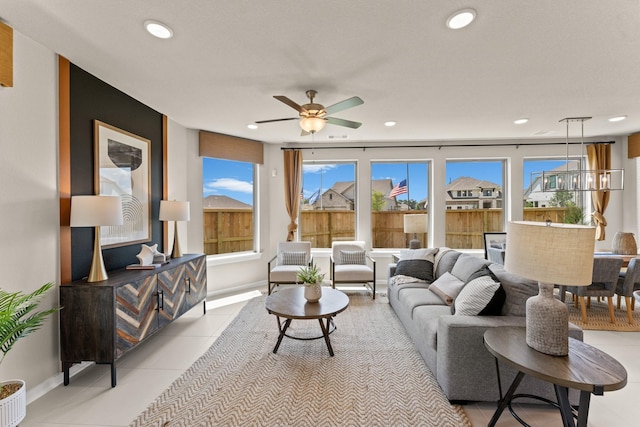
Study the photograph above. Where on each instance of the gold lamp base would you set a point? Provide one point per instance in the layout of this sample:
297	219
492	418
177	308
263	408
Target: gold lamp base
97	273
176	252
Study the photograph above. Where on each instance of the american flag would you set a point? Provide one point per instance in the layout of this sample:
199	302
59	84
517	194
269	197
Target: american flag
400	188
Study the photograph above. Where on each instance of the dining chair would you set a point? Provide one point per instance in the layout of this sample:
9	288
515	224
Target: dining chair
606	270
628	282
283	268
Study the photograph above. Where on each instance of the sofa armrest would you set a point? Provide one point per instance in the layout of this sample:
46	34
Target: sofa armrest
463	362
391	270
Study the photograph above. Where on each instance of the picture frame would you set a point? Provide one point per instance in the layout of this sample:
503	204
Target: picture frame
496	239
122	168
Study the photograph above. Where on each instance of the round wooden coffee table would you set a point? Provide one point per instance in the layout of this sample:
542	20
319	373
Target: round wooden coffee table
290	304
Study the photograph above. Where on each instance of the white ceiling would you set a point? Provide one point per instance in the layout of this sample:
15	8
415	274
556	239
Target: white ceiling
544	60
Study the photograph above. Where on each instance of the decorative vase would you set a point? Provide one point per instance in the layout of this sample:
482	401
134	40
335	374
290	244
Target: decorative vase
547	321
312	292
13	408
624	244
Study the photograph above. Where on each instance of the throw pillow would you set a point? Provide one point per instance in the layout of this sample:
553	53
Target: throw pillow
482	296
293	258
417	263
352	257
447	287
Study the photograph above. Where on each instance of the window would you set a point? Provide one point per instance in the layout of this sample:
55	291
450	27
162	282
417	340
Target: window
397	189
327	211
228	214
474	202
556	203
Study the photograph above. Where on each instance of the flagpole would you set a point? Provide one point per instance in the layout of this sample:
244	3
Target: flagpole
408	198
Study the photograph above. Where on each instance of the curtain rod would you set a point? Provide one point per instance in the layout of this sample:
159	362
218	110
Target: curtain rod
439	146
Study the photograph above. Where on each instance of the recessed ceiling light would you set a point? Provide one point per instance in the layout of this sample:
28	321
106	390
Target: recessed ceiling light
521	121
158	29
390	123
617	118
252	126
461	19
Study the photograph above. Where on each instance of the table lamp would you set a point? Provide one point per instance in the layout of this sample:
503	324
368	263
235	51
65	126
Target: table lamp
552	254
173	210
415	223
96	211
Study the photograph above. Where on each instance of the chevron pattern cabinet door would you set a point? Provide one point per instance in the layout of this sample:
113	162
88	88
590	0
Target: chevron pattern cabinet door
196	281
136	313
171	285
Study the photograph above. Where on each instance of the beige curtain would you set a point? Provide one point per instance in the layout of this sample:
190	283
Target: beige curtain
292	188
599	158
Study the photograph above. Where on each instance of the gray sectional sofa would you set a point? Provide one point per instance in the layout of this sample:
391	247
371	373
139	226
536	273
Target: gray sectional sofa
452	345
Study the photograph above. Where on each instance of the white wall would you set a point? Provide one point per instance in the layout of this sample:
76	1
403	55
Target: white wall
29	207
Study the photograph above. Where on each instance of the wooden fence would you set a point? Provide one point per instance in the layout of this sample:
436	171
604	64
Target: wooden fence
231	230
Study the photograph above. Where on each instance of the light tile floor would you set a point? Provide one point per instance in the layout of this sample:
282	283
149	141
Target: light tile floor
144	373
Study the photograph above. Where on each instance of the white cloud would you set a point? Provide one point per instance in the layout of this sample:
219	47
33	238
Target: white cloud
229	184
307	168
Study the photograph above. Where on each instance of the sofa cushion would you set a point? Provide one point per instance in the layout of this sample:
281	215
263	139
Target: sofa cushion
410	298
482	296
417	263
466	265
517	288
447	287
444	261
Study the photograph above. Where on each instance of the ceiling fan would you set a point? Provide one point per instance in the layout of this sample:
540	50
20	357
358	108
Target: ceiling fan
313	116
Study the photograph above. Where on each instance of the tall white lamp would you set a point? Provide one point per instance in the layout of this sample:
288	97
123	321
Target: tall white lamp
96	211
552	254
173	210
415	223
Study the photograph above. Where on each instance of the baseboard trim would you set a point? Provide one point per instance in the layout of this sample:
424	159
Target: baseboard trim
36	392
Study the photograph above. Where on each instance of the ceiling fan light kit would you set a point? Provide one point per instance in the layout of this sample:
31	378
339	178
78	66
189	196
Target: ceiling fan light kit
313	117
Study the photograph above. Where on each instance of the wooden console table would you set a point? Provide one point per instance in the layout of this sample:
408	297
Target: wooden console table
102	321
585	368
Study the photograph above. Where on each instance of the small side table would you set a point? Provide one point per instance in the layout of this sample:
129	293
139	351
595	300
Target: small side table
585	368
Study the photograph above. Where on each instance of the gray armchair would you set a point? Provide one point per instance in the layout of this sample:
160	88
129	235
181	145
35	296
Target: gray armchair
629	281
283	268
351	264
603	284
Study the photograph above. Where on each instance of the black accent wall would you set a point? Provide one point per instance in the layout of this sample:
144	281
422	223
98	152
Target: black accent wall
92	99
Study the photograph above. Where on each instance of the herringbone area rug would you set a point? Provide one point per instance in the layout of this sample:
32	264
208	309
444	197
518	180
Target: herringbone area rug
376	378
598	317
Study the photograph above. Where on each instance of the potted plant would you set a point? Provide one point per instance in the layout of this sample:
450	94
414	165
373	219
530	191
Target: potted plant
311	278
18	318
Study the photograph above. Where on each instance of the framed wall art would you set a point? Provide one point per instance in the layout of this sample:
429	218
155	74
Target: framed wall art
496	240
122	168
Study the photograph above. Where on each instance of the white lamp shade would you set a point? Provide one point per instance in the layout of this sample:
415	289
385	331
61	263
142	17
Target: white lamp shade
415	223
93	211
312	124
560	254
173	210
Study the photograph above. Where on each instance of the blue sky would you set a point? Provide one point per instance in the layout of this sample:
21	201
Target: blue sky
235	179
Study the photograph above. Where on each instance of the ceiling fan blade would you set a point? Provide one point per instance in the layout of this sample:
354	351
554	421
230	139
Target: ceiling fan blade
290	103
277	120
343	122
304	133
343	105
